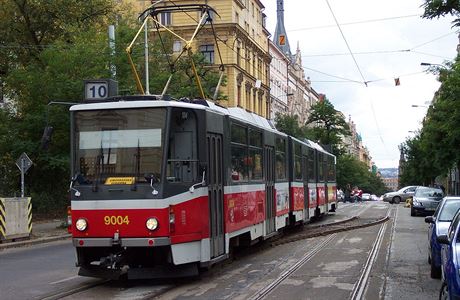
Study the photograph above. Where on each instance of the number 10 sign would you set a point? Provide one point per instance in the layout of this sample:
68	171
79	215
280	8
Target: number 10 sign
100	89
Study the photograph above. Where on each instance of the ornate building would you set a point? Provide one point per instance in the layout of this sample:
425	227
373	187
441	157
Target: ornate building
243	44
299	95
278	81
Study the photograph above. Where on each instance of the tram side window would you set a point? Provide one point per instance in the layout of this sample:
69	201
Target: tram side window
298	162
182	157
311	166
331	170
280	165
321	167
239	151
255	155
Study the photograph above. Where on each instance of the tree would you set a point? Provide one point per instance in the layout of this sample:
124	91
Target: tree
435	150
354	172
440	8
330	125
289	125
55	72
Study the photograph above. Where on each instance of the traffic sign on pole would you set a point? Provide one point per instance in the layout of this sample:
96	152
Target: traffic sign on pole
23	163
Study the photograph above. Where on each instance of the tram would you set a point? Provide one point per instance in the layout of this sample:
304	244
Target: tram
162	188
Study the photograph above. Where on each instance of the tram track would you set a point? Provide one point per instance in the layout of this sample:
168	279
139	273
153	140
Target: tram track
332	230
75	290
308	231
360	286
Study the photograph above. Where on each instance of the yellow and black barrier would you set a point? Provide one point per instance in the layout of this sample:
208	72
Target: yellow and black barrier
15	218
2	218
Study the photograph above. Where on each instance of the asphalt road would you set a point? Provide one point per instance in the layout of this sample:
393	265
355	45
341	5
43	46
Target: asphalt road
392	254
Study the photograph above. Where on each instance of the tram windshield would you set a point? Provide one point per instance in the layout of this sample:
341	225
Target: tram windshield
122	146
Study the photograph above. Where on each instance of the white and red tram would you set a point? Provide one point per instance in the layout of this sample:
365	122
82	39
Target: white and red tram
161	188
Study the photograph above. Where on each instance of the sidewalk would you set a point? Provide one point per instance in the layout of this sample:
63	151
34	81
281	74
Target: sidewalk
42	232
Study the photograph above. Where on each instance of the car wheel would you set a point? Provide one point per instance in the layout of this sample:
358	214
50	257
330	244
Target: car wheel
435	271
412	212
396	200
444	292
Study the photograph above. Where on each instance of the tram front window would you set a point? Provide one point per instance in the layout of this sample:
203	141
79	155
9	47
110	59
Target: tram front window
119	146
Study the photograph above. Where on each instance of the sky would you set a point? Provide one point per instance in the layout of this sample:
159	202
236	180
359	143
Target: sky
378	33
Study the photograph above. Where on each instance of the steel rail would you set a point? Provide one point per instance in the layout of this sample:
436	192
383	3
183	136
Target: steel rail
75	290
265	291
361	285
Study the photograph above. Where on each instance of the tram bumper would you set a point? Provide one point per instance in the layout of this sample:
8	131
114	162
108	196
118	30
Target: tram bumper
135	258
123	242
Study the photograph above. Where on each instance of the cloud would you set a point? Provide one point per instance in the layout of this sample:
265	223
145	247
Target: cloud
382	111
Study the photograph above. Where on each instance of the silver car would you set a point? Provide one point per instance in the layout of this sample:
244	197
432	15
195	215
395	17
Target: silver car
401	195
425	200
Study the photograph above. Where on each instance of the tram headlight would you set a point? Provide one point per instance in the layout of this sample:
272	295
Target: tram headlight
81	224
152	224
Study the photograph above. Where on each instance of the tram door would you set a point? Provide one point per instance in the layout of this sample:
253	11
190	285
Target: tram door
269	175
216	194
306	194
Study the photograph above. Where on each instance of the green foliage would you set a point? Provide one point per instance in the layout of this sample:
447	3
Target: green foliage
434	151
440	8
329	126
289	125
47	49
352	171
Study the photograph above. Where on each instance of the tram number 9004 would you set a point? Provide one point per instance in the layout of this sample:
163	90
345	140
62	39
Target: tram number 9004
116	220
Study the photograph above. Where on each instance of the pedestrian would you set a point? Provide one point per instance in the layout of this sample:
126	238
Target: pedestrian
348	193
357	194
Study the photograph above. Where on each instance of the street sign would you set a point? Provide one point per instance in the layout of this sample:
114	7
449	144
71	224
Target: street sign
24	162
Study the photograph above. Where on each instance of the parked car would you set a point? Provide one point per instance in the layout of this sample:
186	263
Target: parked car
340	195
425	200
366	197
439	223
401	195
450	264
374	197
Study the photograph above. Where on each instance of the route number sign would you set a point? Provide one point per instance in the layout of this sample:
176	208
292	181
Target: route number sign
101	89
96	90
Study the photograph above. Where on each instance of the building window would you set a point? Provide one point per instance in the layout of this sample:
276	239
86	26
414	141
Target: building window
177	46
208	53
238	55
165	18
237	18
238	96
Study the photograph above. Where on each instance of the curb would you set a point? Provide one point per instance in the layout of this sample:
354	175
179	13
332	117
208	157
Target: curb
34	241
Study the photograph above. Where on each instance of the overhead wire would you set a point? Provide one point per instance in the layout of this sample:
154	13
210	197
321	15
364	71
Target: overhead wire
354	23
360	72
346	42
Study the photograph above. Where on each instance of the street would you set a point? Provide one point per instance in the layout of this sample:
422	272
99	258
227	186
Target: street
383	261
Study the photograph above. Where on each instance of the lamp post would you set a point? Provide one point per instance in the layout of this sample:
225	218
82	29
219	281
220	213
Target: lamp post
431	65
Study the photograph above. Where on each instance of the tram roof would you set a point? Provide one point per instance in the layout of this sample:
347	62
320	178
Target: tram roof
234	112
312	144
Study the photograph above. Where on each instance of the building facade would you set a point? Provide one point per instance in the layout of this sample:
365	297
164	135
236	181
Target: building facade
243	45
391	183
278	81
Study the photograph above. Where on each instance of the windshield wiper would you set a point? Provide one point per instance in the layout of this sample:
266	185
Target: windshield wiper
99	168
137	166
